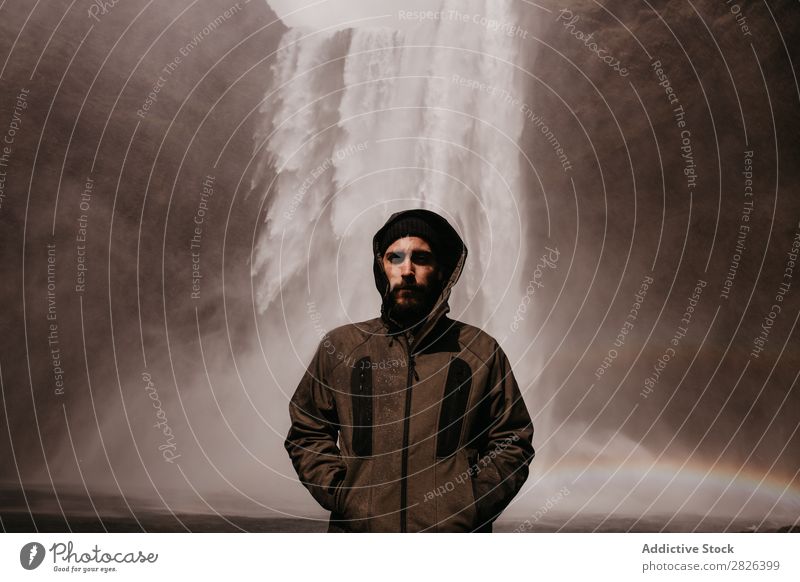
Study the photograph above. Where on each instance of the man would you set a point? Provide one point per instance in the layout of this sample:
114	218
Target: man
411	421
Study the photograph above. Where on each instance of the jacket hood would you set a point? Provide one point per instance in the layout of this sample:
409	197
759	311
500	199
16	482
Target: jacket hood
451	254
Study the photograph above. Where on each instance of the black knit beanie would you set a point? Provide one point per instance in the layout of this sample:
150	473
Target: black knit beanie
409	226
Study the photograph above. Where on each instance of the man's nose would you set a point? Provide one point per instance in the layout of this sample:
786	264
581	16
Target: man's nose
407	268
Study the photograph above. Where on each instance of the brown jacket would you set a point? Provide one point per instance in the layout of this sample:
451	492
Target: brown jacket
395	433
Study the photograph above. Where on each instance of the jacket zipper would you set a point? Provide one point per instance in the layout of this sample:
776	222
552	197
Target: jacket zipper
404	455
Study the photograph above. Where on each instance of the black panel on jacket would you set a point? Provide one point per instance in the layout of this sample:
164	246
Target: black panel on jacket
454	406
361	391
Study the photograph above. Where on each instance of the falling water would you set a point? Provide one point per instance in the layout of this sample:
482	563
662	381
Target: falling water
363	122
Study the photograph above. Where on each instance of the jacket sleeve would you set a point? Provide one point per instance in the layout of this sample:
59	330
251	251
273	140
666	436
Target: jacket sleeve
311	442
506	445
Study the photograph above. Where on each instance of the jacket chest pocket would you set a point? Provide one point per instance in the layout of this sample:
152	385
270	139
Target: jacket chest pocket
362	402
453	407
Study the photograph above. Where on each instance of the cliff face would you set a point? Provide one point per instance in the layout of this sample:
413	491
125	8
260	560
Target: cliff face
131	162
682	168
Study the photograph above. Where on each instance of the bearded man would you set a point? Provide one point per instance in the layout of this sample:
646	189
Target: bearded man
411	421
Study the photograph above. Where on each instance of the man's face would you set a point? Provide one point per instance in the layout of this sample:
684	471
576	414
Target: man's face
415	279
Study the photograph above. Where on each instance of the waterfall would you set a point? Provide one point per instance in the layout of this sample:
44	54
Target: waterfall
363	122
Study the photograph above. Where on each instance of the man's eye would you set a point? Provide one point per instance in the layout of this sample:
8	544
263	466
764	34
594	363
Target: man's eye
396	258
422	258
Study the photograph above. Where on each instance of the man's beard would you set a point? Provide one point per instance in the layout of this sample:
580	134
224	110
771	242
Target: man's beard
414	306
